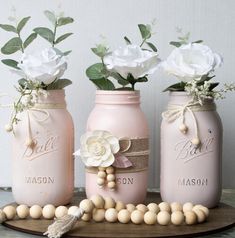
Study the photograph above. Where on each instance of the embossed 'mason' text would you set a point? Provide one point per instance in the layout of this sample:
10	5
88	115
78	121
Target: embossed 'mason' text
192	182
125	180
39	180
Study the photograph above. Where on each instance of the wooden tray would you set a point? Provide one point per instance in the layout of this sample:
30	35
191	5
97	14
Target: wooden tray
221	218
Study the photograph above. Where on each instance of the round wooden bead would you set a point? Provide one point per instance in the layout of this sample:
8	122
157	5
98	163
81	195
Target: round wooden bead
111	185
196	141
124	216
10	212
101	174
188	206
109	203
204	209
201	217
163	218
8	128
98	215
101	168
119	206
109	170
98	201
190	217
111	177
86	217
150	218
183	128
153	207
164	206
142	208
73	210
100	182
137	217
86	205
29	142
22	211
111	215
130	207
61	211
48	211
2	216
177	218
175	206
35	212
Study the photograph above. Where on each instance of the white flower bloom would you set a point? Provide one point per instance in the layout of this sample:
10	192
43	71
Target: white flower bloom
131	59
42	66
191	62
98	148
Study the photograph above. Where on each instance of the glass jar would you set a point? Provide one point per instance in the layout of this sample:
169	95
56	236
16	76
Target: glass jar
43	169
191	169
119	113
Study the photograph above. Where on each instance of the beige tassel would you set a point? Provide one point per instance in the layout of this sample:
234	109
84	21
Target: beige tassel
64	224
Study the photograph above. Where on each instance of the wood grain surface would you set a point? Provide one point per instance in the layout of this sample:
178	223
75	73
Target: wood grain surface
221	218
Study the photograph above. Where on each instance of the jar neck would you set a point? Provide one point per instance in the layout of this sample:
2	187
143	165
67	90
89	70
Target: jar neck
184	98
117	97
53	97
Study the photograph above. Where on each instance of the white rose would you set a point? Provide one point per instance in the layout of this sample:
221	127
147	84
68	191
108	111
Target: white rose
131	59
191	61
98	148
43	66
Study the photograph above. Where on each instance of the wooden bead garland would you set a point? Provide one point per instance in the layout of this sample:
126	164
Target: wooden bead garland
106	175
99	209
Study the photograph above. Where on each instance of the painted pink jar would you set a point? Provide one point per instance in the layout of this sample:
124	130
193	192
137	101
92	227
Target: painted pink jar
44	172
190	173
119	113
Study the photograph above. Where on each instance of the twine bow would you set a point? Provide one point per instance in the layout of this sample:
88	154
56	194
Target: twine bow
175	111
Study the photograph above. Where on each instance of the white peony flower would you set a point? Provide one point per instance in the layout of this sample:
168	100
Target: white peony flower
131	59
42	66
191	61
98	148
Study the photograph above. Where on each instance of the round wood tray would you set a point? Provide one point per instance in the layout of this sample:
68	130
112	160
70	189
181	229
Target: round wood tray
221	218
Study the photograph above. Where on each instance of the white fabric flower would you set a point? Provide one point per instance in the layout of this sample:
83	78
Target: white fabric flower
42	66
131	59
98	148
191	61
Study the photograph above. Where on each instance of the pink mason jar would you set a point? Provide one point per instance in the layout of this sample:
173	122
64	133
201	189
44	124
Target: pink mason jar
191	172
43	169
119	113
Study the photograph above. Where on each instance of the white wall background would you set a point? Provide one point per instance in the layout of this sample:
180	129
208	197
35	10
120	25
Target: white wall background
210	20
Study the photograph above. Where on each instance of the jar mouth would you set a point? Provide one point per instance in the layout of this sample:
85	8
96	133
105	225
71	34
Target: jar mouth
179	93
117	92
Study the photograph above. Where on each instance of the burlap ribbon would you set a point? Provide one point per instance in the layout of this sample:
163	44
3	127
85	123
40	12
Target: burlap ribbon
136	150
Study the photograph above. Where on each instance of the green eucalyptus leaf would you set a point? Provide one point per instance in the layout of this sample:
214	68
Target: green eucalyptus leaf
23	83
141	80
67	52
175	43
63	37
204	78
59	84
7	27
45	33
119	78
176	87
22	23
213	85
198	41
12	46
64	21
10	62
145	31
152	46
50	16
103	84
124	89
29	39
101	50
127	40
96	71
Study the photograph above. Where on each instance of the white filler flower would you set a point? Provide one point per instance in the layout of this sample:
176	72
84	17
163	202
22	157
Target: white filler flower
191	61
131	59
98	148
43	66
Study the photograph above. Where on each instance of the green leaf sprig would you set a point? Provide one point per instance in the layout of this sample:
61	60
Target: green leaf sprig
103	78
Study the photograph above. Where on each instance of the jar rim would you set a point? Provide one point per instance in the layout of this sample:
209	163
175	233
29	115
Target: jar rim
117	92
